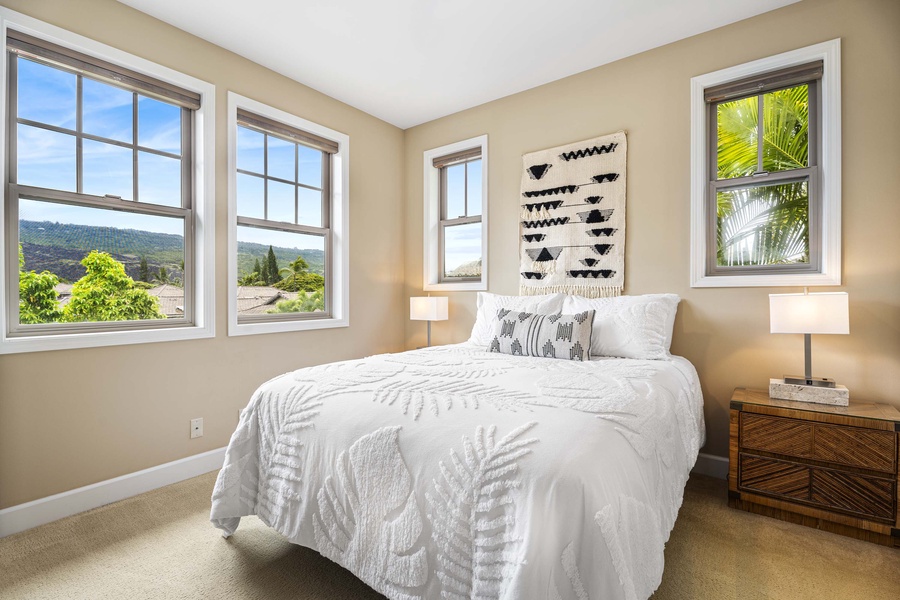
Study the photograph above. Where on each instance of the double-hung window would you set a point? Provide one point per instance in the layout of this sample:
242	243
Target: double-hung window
456	229
100	212
286	173
764	204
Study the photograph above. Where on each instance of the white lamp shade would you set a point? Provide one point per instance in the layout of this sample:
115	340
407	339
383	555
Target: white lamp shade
428	308
809	313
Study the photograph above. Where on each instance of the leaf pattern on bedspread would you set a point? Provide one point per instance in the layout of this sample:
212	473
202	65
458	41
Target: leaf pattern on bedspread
573	574
368	520
634	538
283	416
413	396
472	514
339	377
456	367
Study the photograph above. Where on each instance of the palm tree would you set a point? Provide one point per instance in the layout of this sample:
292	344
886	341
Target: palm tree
763	224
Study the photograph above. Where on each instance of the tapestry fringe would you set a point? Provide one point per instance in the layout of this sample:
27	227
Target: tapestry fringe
546	266
585	291
535	215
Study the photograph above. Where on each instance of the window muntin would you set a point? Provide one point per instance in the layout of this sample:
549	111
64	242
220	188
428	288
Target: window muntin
763	205
459	229
73	158
283	208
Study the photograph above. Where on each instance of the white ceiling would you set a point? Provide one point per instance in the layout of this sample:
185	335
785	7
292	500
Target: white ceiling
411	61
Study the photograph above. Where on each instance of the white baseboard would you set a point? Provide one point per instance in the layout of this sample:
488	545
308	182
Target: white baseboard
44	510
711	465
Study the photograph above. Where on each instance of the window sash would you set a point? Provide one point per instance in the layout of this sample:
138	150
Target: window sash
809	175
327	313
809	75
291	134
15	192
442	240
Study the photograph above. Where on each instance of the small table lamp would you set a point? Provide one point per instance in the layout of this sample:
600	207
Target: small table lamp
428	308
807	314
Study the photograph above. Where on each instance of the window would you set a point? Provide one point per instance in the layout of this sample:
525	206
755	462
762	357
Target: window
767	210
456	224
103	222
289	221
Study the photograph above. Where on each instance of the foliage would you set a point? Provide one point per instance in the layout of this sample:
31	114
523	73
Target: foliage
271	267
162	276
298	279
766	224
38	301
144	270
312	302
107	293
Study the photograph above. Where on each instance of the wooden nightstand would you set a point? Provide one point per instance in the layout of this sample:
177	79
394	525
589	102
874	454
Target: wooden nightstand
830	467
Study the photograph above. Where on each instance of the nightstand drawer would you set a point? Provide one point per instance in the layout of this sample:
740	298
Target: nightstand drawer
774	477
777	435
851	492
856	447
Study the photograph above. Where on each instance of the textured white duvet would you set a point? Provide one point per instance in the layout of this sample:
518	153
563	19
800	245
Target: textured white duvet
450	472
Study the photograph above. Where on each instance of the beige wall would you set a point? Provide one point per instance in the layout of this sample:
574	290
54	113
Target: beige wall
71	418
724	332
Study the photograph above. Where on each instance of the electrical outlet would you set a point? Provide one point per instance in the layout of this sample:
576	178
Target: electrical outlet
196	428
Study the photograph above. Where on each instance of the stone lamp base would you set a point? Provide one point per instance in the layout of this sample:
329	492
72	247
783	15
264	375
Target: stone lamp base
836	396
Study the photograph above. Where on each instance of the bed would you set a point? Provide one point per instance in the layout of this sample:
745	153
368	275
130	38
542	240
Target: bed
452	472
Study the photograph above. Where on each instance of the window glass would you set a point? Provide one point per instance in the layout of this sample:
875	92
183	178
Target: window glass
281	159
159	179
45	158
737	132
280	206
296	282
46	95
763	225
107	111
786	129
87	264
250	150
251	196
310	166
108	170
310	207
473	187
456	191
462	250
159	125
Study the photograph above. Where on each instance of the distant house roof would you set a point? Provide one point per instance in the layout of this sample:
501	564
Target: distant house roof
252	300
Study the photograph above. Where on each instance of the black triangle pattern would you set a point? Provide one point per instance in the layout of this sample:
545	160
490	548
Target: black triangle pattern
538	171
534	237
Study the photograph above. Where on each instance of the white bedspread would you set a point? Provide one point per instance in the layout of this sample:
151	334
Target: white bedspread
453	473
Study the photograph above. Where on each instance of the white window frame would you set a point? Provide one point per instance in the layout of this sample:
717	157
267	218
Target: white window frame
829	167
339	222
432	196
203	137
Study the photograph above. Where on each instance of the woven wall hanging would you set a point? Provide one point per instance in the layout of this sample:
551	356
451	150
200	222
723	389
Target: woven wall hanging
573	219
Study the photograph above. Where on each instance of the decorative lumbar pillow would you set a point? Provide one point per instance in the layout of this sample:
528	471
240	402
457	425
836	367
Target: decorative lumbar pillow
488	304
629	326
551	336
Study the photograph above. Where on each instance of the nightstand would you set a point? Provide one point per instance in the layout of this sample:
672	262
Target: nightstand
829	467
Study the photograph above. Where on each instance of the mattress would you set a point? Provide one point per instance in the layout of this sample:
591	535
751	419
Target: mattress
451	472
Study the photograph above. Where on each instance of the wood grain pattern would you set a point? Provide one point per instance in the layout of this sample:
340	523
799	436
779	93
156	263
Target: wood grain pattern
856	447
854	493
774	434
776	477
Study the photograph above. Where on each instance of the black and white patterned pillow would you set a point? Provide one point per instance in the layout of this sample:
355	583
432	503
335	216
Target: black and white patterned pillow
552	336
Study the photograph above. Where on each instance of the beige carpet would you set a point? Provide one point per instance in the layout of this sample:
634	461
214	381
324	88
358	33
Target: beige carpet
161	545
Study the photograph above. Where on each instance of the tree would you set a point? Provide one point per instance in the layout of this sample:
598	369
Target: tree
144	270
304	303
298	279
38	300
272	264
107	293
766	224
264	274
162	276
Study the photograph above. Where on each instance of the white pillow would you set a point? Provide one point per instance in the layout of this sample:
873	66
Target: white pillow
629	326
488	304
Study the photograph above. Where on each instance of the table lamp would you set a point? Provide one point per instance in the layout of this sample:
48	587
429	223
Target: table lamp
808	314
428	308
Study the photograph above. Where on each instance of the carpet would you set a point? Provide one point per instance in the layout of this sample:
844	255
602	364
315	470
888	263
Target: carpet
161	545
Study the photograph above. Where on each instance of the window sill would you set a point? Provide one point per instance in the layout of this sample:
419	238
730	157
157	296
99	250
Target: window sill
467	286
72	341
774	280
238	329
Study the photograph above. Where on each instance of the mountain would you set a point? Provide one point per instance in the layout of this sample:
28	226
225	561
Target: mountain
59	248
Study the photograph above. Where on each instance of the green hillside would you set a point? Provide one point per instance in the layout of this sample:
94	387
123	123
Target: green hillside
59	248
